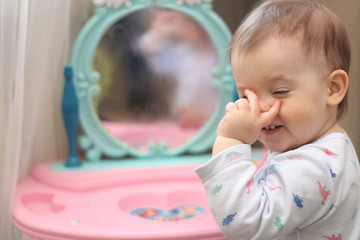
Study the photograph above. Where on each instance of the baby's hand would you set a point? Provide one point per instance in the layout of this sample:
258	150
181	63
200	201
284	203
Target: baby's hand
243	120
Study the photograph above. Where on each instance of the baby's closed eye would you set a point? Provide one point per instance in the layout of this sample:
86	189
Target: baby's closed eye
281	91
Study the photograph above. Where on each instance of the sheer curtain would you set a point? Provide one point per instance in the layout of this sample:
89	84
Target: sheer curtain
36	38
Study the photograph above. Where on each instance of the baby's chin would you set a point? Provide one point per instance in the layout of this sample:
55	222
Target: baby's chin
277	148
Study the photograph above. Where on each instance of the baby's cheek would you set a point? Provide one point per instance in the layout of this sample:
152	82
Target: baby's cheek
287	110
298	112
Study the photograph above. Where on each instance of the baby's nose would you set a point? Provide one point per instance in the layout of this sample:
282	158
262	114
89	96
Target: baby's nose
265	104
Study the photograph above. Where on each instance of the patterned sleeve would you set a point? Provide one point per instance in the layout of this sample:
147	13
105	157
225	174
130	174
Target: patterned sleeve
269	198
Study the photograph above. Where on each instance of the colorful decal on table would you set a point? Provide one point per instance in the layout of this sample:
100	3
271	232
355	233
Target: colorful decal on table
323	192
216	189
178	213
333	237
298	201
278	224
17	234
228	220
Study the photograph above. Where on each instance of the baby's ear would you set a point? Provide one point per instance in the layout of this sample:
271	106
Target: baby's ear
338	83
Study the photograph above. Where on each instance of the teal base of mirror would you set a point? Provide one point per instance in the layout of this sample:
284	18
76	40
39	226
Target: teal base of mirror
73	161
135	163
257	153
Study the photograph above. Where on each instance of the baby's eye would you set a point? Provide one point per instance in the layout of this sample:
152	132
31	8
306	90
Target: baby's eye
281	91
243	96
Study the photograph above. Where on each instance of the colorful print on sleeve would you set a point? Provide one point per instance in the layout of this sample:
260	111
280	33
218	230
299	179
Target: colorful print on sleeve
323	192
298	201
333	237
231	156
258	165
216	189
328	152
333	175
278	224
228	220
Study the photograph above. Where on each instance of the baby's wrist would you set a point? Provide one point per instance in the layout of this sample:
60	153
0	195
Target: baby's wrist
229	139
221	143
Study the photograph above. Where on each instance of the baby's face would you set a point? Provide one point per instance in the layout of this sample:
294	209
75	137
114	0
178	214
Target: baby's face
279	68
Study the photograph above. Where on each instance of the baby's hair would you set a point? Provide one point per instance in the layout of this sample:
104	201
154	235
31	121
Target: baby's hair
321	31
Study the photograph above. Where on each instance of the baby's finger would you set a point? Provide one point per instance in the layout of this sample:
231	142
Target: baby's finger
267	117
230	107
253	101
241	103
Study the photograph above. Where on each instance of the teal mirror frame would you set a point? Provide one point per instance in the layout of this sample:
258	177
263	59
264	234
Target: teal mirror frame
95	140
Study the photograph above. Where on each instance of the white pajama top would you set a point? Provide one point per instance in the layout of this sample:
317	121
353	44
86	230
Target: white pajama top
309	193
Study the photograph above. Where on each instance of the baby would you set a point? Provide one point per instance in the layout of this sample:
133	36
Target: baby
290	60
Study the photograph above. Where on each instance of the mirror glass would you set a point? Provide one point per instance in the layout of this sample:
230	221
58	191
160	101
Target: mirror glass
155	77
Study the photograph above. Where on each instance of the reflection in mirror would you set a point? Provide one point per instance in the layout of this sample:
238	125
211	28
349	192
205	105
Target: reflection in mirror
155	67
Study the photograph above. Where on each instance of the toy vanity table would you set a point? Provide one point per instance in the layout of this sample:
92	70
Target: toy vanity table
148	83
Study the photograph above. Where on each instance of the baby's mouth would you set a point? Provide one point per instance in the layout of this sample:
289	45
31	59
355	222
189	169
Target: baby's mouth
271	127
